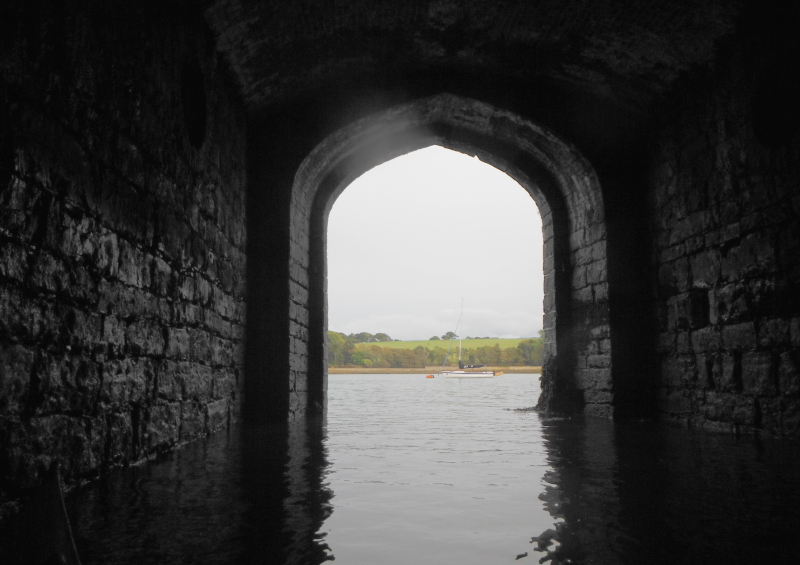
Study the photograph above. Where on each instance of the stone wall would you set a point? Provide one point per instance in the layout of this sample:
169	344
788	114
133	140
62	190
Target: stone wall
122	236
727	232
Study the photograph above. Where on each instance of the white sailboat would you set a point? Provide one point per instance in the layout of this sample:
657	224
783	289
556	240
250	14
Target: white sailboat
465	371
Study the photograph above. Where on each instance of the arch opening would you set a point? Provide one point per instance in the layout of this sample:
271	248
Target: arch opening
412	237
577	368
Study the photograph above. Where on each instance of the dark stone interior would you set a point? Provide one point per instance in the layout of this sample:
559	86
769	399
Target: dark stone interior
167	168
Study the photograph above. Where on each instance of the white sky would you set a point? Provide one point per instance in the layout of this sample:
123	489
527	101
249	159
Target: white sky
409	238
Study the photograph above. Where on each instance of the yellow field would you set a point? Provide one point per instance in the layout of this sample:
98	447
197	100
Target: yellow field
430	344
419	370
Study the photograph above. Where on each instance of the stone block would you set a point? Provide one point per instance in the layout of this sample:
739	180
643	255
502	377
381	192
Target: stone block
298	313
705	268
794	332
773	332
598	397
674	402
17	204
708	339
172	235
13	261
758	374
709	371
298	346
731	373
600	331
119	438
790	416
579	277
161	276
679	313
49	274
298	362
745	412
144	337
226	306
720	406
683	342
789	373
187	287
298	331
729	304
218	325
129	302
107	254
193	420
754	255
217	415
583	296
599	361
161	426
134	265
583	256
298	273
221	352
740	336
127	381
594	379
114	333
667	342
186	313
131	214
204	291
679	371
177	343
199	345
596	273
16	365
84	329
197	381
225	384
298	404
768	413
67	383
79	236
600	292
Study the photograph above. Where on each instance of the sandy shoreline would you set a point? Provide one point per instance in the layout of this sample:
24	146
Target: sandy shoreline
419	370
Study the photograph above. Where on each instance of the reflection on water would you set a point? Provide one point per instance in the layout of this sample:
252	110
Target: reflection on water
449	471
643	493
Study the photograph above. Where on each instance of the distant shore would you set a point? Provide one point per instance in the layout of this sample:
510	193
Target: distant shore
419	370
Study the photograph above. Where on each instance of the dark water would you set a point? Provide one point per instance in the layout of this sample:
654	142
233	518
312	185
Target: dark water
414	470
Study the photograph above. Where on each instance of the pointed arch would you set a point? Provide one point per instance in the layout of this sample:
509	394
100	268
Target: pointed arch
577	372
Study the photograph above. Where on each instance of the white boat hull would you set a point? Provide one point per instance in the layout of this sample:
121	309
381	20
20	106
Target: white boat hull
468	374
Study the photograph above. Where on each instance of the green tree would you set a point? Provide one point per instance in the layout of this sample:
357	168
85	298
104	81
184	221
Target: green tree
340	349
363	337
449	335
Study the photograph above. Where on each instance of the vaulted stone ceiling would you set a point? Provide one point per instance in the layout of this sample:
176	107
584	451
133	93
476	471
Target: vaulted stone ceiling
622	50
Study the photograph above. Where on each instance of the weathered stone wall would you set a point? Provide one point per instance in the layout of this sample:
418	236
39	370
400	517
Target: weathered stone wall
727	232
121	236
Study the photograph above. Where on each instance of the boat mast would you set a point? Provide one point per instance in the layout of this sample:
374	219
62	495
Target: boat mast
460	317
449	347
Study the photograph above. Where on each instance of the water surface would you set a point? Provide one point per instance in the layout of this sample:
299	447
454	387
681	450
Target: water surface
415	470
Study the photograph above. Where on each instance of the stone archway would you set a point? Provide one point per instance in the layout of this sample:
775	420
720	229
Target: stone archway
577	373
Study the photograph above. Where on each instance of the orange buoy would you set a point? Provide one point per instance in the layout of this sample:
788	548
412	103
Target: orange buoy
429	377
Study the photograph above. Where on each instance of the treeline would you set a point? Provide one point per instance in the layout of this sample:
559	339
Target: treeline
342	351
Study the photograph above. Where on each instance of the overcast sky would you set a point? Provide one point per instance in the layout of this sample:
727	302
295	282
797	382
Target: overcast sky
410	238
